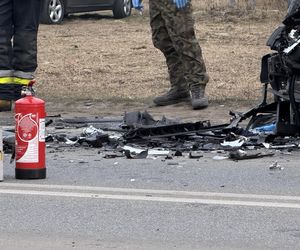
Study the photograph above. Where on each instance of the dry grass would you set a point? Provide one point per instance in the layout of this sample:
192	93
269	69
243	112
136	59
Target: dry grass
96	57
241	4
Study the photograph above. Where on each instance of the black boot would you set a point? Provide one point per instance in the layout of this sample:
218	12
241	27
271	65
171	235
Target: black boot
5	105
174	95
198	99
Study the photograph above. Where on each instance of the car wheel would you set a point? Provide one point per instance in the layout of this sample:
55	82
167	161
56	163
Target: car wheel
122	8
53	12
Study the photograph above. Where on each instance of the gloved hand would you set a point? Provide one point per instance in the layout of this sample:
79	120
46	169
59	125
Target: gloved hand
180	4
137	4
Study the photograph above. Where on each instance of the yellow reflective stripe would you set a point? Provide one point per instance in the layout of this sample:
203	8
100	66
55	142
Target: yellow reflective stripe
14	80
22	81
6	80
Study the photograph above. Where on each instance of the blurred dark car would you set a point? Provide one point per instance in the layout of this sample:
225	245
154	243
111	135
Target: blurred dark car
54	11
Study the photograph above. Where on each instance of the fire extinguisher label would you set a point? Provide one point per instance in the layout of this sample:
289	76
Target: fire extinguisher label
42	130
27	143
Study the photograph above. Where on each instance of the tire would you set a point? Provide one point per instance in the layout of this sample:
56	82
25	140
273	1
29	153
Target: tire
53	12
122	9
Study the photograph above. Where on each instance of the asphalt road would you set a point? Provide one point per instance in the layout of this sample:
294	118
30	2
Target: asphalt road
88	202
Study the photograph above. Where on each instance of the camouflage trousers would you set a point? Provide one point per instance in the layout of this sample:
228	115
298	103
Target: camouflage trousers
173	33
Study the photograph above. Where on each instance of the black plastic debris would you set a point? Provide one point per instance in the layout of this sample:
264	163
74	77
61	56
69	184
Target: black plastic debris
178	153
195	155
139	119
8	142
175	130
112	155
169	157
141	155
95	140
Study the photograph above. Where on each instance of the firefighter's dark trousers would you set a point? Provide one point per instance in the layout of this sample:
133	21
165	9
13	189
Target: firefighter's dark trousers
19	21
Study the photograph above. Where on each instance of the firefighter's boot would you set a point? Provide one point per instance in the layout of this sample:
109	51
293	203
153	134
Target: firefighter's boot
6	81
175	95
5	105
198	98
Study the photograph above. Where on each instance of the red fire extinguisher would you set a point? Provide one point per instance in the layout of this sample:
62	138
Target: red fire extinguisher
30	136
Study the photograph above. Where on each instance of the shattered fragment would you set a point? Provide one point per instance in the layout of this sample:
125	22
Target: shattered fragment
243	155
287	146
141	155
266	129
220	158
178	153
195	155
112	155
169	157
276	166
143	119
152	152
234	144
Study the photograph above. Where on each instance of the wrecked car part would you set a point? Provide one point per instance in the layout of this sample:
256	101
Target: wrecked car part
244	155
220	158
139	119
195	155
153	152
95	140
135	119
275	166
141	155
286	146
234	144
48	122
112	155
8	142
266	129
280	77
91	130
178	153
111	124
85	120
171	130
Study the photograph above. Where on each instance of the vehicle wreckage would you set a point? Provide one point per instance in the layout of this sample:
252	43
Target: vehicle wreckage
272	125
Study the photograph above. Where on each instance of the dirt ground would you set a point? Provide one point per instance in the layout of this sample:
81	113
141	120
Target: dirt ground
95	64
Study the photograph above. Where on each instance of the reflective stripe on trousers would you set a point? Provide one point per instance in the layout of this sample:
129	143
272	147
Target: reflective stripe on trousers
11	87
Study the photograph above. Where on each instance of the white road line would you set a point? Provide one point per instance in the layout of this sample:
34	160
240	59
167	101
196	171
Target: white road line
156	199
152	191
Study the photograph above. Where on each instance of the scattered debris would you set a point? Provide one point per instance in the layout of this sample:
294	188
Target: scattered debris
195	155
220	158
269	146
112	155
276	166
234	144
139	136
243	155
141	155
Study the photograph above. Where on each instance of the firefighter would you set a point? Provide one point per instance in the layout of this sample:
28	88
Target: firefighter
19	21
173	33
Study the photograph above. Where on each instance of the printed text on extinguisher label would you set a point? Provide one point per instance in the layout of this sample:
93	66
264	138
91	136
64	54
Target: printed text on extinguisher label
42	130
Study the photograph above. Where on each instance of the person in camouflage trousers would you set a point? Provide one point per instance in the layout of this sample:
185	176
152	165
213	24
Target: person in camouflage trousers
173	33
